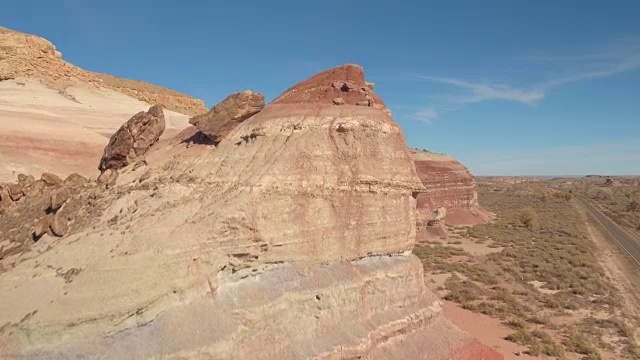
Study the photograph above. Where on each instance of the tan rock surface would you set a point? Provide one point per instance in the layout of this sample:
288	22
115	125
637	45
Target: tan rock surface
290	240
51	179
59	197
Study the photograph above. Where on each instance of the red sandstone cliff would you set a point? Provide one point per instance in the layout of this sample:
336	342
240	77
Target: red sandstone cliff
451	188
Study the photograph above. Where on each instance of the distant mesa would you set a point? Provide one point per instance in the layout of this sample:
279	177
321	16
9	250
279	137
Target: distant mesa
451	196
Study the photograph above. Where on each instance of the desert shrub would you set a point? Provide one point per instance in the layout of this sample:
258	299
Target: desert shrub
578	343
634	205
600	194
462	291
517	323
544	196
563	195
521	337
529	218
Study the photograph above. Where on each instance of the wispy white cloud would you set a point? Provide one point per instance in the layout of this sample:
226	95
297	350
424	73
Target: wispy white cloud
628	63
621	58
426	115
481	92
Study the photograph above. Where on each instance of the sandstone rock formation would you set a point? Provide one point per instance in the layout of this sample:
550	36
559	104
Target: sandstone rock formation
133	139
29	56
290	240
51	179
449	185
338	86
222	118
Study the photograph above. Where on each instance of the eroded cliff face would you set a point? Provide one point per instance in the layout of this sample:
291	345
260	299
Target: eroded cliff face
29	56
449	185
289	240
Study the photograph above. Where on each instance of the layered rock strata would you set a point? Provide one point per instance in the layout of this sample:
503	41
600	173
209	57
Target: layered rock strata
449	185
290	240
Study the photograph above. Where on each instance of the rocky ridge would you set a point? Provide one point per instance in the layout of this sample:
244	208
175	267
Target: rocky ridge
296	230
30	56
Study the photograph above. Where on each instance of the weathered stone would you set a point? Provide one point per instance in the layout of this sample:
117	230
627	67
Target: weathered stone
108	178
370	85
36	187
15	192
139	164
25	180
75	180
338	101
42	226
59	197
225	116
51	179
145	176
5	199
133	139
439	213
59	225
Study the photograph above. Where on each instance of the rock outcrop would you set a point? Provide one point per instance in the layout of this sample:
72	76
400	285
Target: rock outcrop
29	56
338	86
224	117
291	239
133	139
449	185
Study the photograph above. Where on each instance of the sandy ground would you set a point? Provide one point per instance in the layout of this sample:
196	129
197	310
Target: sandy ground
487	330
623	272
44	131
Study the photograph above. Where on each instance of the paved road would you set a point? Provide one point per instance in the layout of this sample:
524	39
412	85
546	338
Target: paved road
626	241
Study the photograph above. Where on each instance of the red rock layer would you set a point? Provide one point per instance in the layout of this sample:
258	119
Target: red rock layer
346	82
448	184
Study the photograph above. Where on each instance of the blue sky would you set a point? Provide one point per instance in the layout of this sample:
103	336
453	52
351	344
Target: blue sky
507	87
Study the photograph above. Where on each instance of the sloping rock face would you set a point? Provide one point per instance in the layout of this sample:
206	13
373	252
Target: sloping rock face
29	56
449	185
290	240
133	139
337	86
222	118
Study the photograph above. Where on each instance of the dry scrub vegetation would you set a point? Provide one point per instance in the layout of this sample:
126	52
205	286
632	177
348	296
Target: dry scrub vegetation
620	203
546	283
